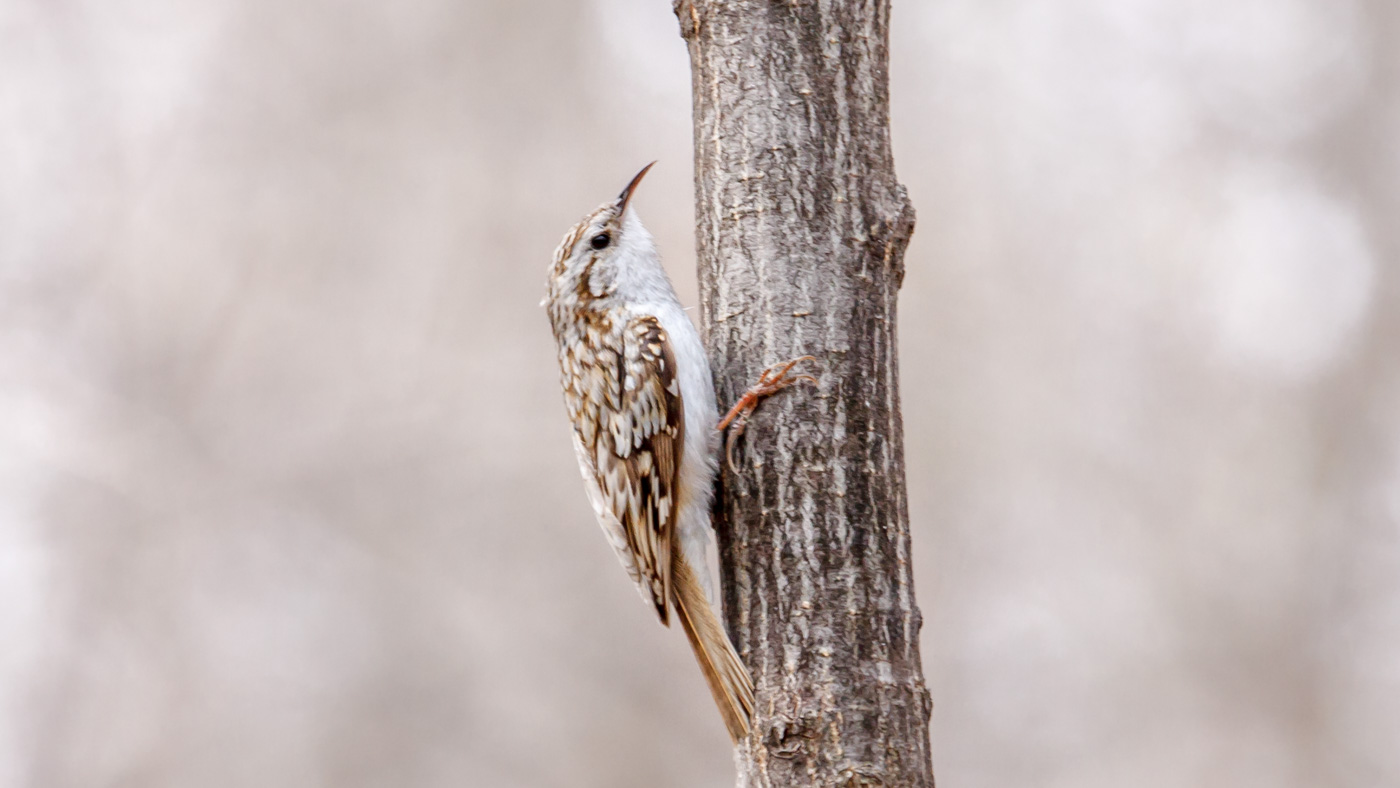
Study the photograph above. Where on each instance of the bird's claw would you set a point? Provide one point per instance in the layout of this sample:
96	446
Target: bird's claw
773	380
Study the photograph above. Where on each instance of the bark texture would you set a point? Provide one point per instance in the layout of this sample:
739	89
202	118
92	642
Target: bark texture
801	234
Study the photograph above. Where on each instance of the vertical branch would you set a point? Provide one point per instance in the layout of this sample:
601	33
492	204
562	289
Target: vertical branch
801	231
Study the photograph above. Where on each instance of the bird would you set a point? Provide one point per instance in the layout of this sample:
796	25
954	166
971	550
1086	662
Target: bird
640	398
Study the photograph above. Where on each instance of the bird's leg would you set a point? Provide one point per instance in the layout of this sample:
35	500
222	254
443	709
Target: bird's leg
773	380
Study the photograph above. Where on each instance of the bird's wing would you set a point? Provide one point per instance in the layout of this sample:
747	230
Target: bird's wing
630	430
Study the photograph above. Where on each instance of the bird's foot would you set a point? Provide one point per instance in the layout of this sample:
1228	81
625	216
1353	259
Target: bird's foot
773	380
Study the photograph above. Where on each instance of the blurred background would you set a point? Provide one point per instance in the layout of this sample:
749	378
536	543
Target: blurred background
286	490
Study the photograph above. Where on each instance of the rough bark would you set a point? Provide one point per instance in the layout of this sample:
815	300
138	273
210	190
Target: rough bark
801	231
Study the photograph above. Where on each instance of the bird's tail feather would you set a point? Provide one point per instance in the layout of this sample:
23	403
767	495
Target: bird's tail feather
729	680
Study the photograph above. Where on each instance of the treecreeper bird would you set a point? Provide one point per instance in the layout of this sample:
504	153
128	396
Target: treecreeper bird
638	390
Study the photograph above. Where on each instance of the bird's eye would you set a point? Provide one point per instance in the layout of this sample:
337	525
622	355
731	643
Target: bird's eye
600	241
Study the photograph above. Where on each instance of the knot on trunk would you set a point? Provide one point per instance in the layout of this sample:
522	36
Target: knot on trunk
786	737
688	17
892	235
852	778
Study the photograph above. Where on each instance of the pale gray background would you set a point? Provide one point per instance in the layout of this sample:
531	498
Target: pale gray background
286	494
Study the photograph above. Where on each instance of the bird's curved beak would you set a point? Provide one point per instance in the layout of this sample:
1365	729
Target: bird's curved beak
626	196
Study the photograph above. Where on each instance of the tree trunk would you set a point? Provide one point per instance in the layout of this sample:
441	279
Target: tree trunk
801	231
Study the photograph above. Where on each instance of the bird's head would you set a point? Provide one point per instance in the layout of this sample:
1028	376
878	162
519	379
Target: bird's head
604	250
